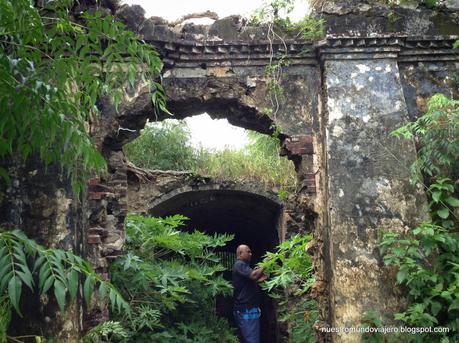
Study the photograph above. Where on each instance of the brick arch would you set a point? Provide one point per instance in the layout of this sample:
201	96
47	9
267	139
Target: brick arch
253	217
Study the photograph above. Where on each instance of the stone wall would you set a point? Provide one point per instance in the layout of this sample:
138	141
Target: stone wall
372	73
346	93
41	203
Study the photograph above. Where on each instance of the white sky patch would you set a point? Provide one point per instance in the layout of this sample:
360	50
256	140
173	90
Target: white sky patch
211	134
215	133
172	10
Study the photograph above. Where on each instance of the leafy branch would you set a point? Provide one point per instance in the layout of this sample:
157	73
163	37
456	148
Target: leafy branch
171	278
290	277
427	256
436	132
22	262
57	69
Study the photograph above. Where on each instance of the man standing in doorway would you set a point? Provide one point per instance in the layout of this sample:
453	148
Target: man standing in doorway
247	295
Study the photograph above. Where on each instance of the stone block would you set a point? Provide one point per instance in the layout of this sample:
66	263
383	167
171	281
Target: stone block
94	181
97	231
298	145
95	195
94	239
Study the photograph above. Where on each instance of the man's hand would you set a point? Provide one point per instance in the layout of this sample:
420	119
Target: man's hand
263	278
256	274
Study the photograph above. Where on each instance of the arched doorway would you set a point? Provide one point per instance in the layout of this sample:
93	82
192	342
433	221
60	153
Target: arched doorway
252	218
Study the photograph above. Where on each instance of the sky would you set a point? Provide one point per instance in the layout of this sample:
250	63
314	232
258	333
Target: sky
213	134
174	9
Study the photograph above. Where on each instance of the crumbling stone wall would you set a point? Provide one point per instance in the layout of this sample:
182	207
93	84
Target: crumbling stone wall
42	204
371	64
372	73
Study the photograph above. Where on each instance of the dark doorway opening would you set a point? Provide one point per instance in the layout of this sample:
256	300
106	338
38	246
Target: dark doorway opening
252	219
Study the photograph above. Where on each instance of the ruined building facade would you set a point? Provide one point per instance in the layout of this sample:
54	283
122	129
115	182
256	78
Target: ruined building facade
344	94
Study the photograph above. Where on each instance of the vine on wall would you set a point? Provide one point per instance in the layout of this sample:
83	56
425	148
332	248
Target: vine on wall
428	256
275	15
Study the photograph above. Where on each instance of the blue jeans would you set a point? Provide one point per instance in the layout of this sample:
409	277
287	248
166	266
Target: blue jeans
248	322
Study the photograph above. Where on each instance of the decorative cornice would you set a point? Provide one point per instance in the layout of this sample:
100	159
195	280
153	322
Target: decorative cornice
191	54
402	48
213	53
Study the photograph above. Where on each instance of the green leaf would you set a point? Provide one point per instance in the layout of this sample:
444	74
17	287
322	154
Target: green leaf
38	262
4	270
88	289
102	291
5	280
26	278
112	297
6	177
59	293
401	276
436	196
43	274
454	305
14	292
452	201
73	283
48	283
436	307
443	213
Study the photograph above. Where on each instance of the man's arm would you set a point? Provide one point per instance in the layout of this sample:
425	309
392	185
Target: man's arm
249	273
257	275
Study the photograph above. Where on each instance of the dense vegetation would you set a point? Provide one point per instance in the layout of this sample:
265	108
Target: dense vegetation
54	66
290	277
428	257
24	263
167	146
170	279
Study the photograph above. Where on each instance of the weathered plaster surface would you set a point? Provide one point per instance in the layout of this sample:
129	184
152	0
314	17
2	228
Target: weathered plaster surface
369	185
422	79
344	109
43	206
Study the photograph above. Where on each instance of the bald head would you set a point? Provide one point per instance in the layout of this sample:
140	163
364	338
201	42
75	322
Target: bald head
243	253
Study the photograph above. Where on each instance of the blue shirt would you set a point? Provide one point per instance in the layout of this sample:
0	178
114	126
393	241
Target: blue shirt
246	292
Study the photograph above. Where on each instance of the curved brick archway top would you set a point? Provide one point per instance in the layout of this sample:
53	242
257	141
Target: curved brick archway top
239	188
251	217
222	73
245	209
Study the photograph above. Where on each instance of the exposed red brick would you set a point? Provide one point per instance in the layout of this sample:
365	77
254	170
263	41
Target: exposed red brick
298	145
100	195
94	239
96	231
94	181
95	195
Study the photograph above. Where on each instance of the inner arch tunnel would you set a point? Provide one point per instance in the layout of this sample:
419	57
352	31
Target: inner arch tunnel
253	219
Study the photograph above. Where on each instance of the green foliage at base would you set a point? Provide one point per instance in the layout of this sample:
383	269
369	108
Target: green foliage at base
109	331
24	263
290	277
171	279
428	256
